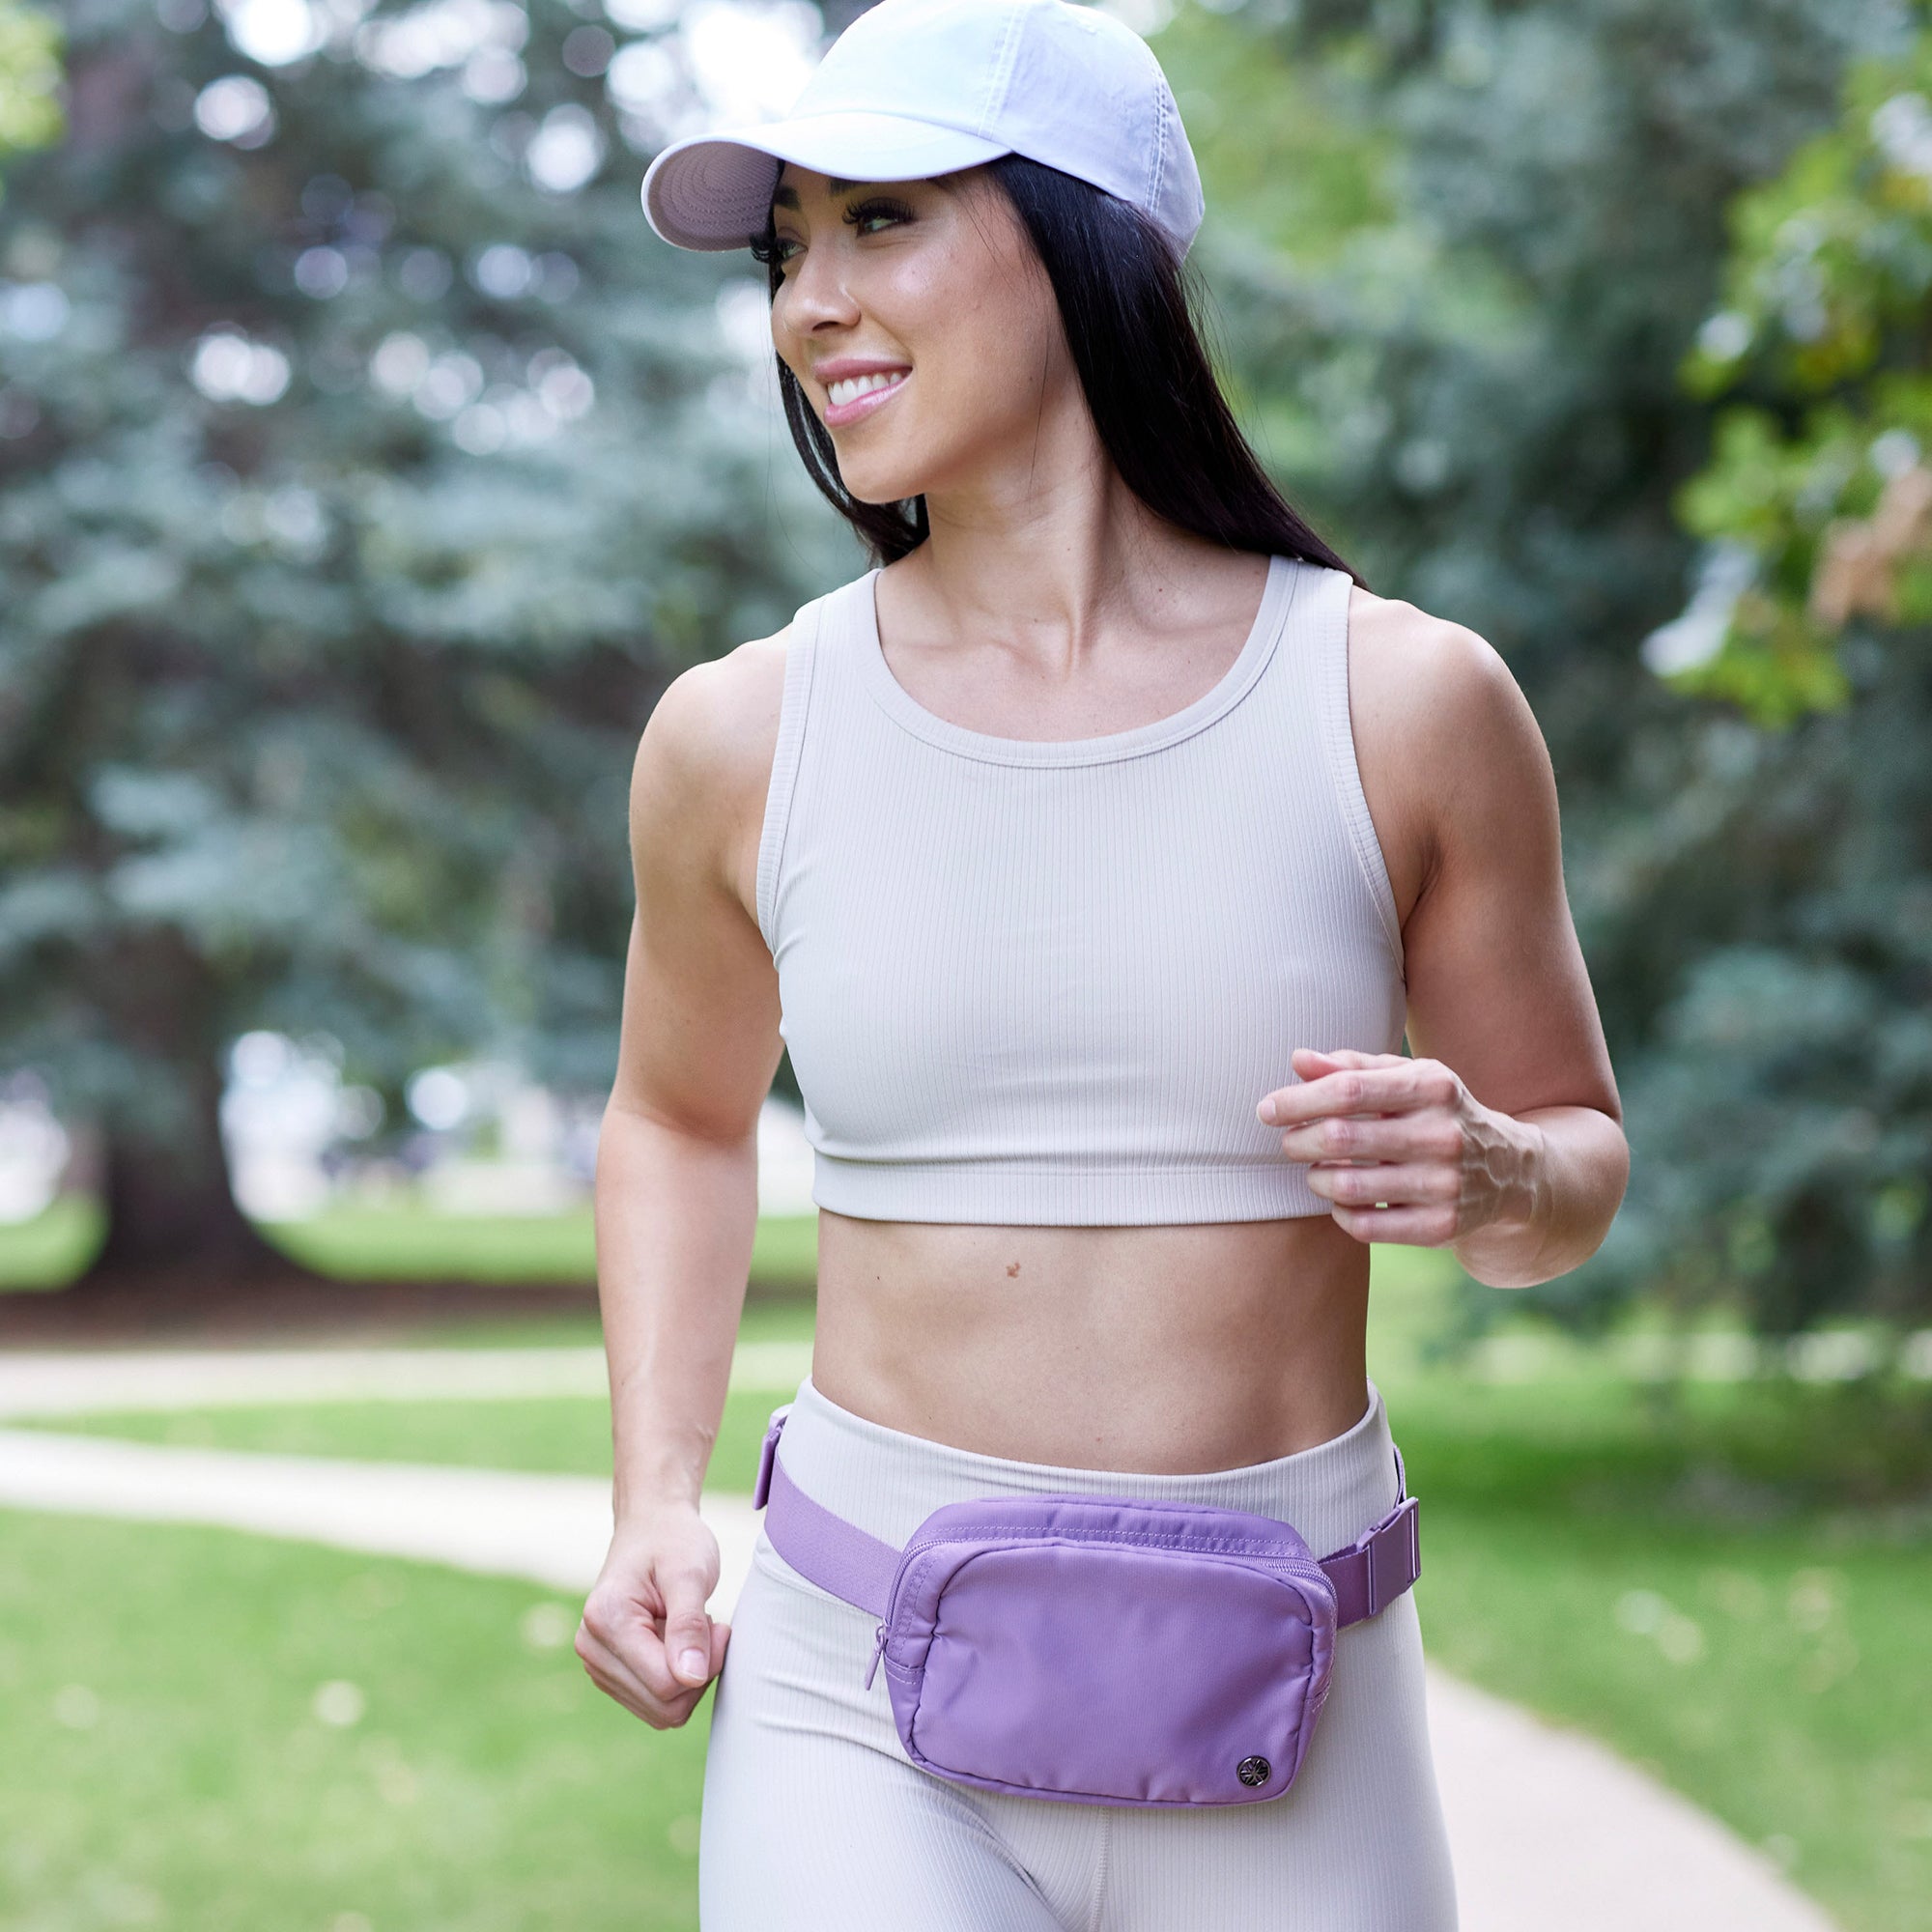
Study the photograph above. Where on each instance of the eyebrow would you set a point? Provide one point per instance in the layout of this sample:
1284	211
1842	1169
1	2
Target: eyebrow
787	197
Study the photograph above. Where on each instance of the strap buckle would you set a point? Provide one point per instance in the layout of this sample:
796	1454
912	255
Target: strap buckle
1393	1553
762	1488
1379	1566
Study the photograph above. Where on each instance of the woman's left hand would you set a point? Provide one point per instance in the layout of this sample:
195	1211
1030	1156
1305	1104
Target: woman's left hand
1445	1163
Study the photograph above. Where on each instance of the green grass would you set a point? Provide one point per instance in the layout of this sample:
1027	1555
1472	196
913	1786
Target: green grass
399	1242
166	1764
52	1248
402	1242
567	1434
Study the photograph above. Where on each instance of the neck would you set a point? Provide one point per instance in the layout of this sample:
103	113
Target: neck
1044	549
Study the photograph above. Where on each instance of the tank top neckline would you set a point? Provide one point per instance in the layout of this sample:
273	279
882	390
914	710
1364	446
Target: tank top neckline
899	704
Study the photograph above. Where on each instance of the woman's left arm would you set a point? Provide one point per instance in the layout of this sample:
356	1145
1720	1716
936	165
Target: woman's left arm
1502	1138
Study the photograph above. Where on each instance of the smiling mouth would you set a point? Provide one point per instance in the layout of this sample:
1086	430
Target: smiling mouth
852	388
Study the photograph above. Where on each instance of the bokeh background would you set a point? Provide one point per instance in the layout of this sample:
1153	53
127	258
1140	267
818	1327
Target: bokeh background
367	470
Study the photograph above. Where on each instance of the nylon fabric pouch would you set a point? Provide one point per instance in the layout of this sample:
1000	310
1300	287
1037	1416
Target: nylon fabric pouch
1108	1650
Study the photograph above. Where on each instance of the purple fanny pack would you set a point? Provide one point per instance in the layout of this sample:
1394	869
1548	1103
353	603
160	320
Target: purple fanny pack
1106	1650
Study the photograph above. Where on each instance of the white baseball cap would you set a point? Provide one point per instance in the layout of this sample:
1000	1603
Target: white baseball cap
915	88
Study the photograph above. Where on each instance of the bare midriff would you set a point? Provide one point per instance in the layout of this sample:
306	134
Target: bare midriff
1171	1349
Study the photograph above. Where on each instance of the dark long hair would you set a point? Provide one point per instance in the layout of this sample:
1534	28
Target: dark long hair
1127	307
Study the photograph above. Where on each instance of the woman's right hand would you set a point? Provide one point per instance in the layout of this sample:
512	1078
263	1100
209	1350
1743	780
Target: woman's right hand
646	1637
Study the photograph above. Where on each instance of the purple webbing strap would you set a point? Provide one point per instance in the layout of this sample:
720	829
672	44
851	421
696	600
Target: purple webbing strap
834	1555
839	1556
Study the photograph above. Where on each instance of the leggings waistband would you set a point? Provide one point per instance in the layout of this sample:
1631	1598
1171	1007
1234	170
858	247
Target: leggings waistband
889	1482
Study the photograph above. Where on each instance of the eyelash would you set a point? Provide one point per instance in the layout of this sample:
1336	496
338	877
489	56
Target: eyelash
879	203
769	248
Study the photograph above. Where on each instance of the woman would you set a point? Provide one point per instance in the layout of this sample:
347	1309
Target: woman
1096	847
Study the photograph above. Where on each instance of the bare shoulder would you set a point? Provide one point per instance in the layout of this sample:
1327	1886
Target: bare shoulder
704	760
703	731
1445	740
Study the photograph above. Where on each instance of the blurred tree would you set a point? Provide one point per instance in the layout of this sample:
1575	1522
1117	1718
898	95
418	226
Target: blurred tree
366	468
1817	494
1461	252
1787	1094
30	114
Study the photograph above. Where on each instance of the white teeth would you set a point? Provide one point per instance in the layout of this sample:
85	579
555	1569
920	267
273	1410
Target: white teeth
858	385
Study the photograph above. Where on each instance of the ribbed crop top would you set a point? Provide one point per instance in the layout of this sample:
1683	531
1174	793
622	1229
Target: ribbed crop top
1046	981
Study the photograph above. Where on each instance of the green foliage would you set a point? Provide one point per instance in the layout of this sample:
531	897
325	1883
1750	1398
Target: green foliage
1833	257
363	478
1475	391
1777	899
30	112
1292	156
1816	478
1481	391
1765	941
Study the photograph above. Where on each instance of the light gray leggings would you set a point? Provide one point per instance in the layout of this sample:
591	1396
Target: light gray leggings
814	1819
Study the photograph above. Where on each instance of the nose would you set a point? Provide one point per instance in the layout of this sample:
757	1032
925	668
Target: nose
816	294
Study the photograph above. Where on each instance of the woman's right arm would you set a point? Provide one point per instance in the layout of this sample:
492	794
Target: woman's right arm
676	1186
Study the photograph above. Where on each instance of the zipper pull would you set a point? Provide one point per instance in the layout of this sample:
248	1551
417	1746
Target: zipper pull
878	1651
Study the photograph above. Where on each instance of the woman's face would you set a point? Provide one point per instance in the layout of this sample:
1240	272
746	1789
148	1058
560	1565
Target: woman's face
919	324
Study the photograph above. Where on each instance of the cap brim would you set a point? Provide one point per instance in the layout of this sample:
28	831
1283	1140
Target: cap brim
715	190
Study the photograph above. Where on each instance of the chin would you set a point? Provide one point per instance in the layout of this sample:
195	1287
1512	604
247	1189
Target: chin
874	484
888	468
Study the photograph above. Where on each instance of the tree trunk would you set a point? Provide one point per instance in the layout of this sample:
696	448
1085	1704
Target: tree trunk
171	1214
172	1220
168	1215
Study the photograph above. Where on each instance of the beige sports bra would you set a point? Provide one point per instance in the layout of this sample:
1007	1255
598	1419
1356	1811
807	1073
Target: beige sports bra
1045	982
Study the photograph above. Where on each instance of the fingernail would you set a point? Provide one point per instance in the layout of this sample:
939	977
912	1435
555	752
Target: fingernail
1267	1111
693	1663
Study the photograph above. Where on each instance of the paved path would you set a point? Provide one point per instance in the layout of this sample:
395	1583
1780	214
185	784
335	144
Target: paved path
1549	1829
